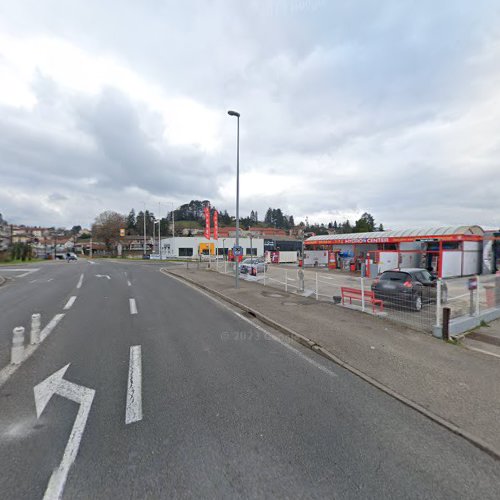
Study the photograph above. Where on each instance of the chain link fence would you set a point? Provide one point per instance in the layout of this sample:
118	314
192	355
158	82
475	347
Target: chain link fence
342	289
465	296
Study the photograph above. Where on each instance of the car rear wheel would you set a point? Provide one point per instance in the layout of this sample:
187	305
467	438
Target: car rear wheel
417	302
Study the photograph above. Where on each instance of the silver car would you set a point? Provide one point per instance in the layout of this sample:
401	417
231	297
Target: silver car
252	266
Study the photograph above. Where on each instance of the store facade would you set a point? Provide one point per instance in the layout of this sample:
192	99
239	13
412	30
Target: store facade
448	251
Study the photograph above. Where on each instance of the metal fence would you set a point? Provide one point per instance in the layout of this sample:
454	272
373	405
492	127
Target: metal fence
470	296
345	290
355	292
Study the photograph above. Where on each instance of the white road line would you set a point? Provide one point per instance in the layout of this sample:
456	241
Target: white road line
128	283
255	325
27	271
80	281
52	324
133	410
482	351
133	306
56	384
70	302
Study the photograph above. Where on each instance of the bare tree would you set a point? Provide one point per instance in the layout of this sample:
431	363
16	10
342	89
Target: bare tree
106	228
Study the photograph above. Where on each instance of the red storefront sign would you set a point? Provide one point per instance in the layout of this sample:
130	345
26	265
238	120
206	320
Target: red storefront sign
206	211
216	225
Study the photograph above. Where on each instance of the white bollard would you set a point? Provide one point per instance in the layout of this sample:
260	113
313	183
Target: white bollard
17	351
35	328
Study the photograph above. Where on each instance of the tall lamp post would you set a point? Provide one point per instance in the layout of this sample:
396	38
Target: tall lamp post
144	220
237	267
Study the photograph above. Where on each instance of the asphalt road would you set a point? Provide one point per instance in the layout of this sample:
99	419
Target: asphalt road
228	411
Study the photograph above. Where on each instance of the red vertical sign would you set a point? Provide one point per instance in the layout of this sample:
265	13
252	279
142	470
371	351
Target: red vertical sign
207	222
216	225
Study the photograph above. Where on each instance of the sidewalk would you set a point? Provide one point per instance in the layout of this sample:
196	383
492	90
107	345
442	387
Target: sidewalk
458	385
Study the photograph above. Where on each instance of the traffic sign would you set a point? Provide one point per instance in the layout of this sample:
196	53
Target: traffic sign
237	251
472	283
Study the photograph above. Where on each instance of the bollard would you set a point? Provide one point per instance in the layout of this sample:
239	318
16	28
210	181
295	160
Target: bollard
17	351
300	276
446	323
35	328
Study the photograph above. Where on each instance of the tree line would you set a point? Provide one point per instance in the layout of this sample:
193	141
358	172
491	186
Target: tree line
107	225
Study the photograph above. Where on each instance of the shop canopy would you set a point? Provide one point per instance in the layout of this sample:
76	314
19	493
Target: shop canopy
445	233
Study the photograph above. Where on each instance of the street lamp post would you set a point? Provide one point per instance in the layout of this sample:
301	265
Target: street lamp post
159	228
144	220
237	270
223	248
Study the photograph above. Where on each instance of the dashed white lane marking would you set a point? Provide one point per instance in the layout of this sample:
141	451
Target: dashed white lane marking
51	325
128	283
133	306
91	262
70	302
80	281
27	271
133	409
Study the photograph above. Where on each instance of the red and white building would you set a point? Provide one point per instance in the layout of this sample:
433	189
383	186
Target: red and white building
449	251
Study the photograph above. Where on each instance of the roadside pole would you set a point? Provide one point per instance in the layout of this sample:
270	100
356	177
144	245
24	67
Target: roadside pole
317	291
438	302
362	293
477	296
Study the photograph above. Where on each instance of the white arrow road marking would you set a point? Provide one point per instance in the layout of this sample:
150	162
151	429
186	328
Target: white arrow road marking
133	409
103	276
70	302
55	384
128	283
50	326
133	306
80	281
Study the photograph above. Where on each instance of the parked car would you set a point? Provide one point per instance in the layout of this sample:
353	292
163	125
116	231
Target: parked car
408	287
253	266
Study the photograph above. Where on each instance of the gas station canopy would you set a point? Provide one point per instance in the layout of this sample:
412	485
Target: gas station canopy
444	233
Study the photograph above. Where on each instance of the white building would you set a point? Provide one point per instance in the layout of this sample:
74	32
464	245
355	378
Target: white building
193	246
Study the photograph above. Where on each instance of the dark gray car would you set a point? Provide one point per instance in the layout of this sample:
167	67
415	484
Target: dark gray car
408	287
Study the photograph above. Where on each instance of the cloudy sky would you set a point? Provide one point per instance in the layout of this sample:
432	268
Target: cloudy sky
391	107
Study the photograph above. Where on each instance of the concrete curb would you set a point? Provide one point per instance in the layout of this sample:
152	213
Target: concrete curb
311	344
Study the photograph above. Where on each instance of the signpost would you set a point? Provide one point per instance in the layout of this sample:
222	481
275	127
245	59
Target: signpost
237	251
472	285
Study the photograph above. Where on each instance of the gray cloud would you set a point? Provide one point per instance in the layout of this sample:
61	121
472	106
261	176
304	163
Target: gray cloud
346	107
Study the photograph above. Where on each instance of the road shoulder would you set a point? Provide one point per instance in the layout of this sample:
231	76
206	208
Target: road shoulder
444	382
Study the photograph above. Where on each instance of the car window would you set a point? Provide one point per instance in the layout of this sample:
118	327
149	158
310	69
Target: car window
394	276
423	276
